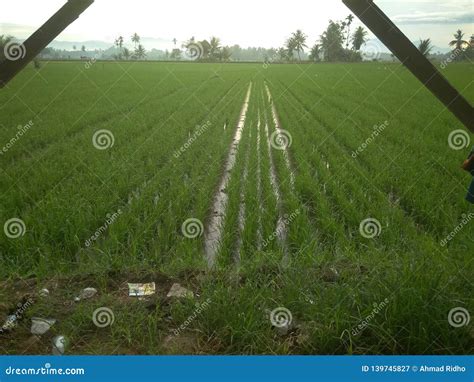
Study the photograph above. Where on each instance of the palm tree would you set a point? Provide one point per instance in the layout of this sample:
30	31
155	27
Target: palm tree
459	43
140	52
215	47
298	42
359	38
290	48
425	47
136	39
348	23
315	53
126	53
225	53
282	53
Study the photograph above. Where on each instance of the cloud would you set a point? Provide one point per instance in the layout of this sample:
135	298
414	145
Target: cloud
435	18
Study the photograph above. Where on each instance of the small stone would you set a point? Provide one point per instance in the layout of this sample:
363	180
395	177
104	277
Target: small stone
86	294
44	292
40	326
178	291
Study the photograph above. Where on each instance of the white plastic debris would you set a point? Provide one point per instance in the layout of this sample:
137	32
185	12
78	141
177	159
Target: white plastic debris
40	326
44	292
59	345
141	290
178	291
86	294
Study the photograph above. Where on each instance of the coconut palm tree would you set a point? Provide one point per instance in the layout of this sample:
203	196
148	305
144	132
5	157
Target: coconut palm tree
459	43
298	42
359	38
315	53
140	52
136	39
127	54
425	47
282	53
348	23
290	48
214	48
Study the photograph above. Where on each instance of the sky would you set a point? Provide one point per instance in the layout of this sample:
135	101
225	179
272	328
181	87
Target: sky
266	23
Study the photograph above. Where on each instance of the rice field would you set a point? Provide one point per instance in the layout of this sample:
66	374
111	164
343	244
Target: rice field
312	209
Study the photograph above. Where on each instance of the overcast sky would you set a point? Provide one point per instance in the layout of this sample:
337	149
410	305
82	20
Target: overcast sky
245	22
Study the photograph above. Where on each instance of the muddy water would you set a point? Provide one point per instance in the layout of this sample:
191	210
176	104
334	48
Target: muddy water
213	231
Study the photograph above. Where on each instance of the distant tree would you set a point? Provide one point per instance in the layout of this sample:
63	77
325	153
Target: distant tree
347	25
425	47
136	40
290	46
359	38
331	42
175	42
225	53
74	47
315	54
298	42
4	40
140	52
83	48
127	54
459	43
175	54
214	48
282	54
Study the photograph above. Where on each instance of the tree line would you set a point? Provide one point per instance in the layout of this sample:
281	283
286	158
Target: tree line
338	43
